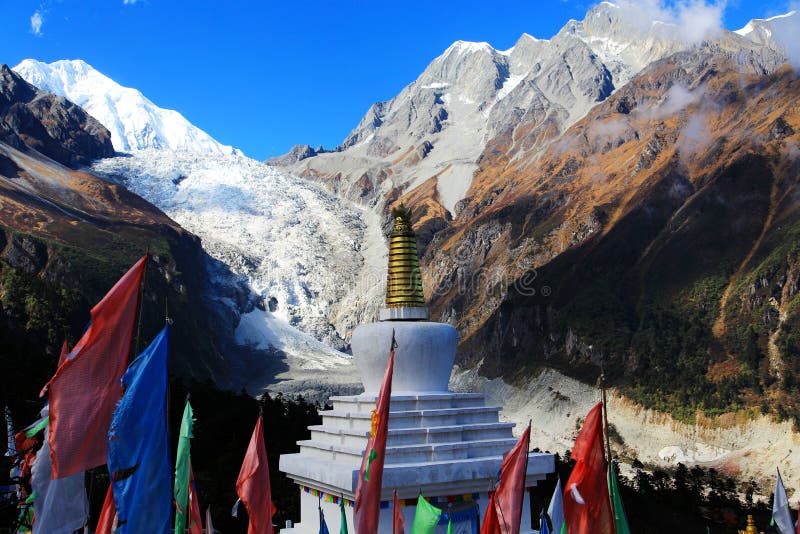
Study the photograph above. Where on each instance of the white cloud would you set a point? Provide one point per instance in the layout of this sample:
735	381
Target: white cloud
699	20
695	137
677	99
129	2
787	37
692	20
37	19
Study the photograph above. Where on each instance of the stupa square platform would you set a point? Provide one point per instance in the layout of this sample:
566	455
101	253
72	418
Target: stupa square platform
447	445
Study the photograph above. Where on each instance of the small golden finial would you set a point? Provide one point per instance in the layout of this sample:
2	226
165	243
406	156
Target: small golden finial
751	526
404	281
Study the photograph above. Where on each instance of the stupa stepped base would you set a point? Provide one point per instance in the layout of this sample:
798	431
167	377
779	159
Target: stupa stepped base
447	445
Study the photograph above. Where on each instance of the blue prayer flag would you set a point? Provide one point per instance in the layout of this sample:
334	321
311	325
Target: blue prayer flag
323	528
138	447
544	528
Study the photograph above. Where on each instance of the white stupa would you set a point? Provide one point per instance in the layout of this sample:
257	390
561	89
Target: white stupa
447	445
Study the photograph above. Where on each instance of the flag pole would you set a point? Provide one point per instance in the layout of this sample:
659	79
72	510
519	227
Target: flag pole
141	302
525	474
605	431
605	413
168	322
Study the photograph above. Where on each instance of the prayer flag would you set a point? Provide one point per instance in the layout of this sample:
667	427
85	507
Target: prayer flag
253	485
138	444
86	387
370	477
587	507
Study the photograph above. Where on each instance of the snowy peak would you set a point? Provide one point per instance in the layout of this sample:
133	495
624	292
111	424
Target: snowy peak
628	38
757	29
437	129
134	121
468	47
778	32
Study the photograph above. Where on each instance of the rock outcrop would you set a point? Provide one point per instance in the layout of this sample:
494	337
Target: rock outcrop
50	124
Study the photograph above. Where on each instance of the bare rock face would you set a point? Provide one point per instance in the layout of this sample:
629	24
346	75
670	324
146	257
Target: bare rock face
297	153
50	124
25	253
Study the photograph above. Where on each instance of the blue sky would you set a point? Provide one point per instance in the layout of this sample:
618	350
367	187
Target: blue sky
265	75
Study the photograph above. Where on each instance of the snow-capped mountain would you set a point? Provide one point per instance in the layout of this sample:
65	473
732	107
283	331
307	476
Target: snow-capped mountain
312	263
616	146
439	126
134	121
774	28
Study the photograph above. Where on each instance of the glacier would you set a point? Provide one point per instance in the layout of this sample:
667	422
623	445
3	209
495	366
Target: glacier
314	261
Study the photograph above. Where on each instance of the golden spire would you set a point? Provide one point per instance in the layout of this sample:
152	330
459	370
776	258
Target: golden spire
403	282
751	527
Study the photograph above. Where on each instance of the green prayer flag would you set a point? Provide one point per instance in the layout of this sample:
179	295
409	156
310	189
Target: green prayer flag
426	517
182	467
563	528
25	521
449	526
620	520
370	458
37	427
343	527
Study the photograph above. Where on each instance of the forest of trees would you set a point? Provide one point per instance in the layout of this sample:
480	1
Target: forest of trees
222	430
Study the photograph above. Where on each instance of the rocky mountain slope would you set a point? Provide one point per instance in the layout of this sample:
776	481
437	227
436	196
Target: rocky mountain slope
621	195
671	219
134	121
52	125
438	127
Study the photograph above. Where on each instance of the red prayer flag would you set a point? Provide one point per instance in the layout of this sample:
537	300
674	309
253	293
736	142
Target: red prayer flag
86	387
253	486
504	512
64	353
399	524
195	519
108	516
23	443
367	509
587	507
491	525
